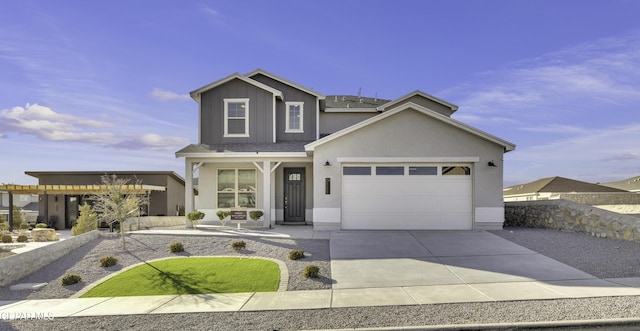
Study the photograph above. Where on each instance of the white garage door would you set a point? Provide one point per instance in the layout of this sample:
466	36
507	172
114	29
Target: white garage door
411	197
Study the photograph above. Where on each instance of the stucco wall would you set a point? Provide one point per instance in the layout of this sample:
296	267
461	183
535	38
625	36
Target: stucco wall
407	134
572	216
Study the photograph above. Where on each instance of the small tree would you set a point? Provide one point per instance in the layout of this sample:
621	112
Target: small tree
18	221
194	217
118	201
87	221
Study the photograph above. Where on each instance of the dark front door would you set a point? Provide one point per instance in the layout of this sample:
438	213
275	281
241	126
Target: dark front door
294	189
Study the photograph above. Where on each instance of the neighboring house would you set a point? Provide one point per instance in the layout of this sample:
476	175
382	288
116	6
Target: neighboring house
631	184
552	188
28	204
22	201
62	192
341	162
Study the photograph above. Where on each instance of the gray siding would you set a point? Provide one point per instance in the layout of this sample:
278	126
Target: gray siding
260	113
334	122
292	94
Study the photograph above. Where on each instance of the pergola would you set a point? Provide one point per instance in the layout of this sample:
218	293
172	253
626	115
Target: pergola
71	189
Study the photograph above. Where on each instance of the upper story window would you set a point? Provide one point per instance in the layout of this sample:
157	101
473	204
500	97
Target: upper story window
295	116
236	117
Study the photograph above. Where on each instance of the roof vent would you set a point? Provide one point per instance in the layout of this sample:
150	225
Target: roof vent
348	106
343	98
336	98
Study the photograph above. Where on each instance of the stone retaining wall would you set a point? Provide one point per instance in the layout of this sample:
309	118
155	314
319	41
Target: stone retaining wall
603	198
572	216
148	222
15	267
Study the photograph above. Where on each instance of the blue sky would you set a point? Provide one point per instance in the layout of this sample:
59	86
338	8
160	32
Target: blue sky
103	85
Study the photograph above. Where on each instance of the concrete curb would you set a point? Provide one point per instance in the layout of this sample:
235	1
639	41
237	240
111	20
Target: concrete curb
509	326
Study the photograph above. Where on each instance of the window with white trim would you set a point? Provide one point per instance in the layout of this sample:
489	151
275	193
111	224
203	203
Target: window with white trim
236	117
237	188
295	117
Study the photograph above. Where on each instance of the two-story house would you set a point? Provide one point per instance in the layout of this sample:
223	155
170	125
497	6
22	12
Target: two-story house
341	162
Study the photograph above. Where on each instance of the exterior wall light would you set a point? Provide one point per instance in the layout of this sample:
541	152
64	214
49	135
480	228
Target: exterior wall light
492	164
327	164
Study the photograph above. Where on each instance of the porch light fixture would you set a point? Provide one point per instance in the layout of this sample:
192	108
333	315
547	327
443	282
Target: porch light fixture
492	164
327	164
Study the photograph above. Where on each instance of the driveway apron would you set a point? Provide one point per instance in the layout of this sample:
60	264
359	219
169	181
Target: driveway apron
367	259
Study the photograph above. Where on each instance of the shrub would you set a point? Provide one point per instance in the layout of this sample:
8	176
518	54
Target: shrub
4	226
222	216
70	279
86	222
107	261
176	247
22	238
311	271
255	215
41	226
194	217
238	245
6	238
296	254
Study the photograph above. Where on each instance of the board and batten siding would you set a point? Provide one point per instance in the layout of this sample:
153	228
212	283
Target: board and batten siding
260	113
292	94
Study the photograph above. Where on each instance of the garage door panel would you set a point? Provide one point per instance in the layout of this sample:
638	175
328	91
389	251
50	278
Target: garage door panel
407	202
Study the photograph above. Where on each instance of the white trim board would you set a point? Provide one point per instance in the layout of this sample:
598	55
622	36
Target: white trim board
470	159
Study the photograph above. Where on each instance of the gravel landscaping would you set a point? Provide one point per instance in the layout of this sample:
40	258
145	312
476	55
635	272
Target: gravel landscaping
603	258
84	261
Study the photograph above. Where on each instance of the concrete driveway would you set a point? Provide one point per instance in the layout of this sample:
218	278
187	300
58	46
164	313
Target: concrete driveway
375	259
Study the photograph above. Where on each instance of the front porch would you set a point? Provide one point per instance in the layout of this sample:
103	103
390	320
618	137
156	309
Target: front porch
280	186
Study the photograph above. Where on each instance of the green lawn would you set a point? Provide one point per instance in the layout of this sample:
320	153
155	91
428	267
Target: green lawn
197	275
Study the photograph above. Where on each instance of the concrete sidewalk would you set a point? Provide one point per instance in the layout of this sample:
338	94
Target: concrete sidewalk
318	299
452	267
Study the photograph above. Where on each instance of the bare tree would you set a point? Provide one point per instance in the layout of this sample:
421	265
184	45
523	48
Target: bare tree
117	201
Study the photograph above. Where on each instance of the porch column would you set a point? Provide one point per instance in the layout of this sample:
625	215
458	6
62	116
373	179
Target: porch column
188	191
10	216
266	195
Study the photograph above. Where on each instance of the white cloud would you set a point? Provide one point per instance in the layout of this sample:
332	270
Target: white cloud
46	124
211	13
164	95
554	128
597	156
153	142
584	78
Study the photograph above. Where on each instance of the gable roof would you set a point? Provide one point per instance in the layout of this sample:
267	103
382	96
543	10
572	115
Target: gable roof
410	105
421	94
285	81
557	185
195	94
630	184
